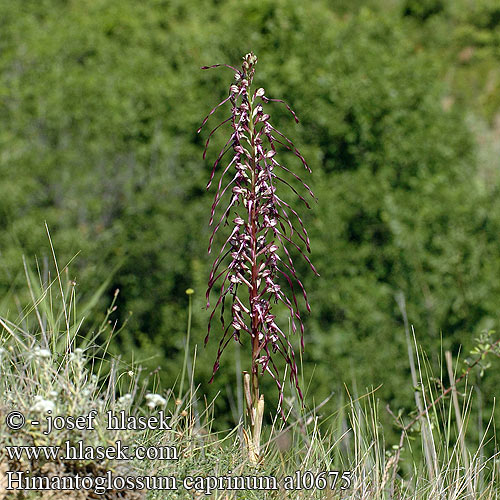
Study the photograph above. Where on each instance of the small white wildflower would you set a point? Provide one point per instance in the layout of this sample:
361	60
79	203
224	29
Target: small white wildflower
86	392
130	373
124	400
41	353
53	394
42	405
77	355
154	400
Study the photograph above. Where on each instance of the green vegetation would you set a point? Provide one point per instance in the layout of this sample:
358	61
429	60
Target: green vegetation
44	376
399	104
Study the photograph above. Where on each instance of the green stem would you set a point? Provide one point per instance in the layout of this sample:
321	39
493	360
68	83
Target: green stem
186	348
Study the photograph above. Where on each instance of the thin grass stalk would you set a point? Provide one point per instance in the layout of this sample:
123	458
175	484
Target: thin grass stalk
189	293
458	416
429	451
480	428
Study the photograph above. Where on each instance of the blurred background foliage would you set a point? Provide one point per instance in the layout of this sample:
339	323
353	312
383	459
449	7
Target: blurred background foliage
399	102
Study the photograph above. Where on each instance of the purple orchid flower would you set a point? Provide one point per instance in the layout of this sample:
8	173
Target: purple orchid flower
254	261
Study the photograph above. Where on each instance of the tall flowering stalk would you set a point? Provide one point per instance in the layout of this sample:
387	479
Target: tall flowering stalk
254	261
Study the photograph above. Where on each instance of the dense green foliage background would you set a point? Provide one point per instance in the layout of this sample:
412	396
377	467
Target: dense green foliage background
400	121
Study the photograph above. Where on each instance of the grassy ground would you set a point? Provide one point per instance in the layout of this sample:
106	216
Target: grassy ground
47	363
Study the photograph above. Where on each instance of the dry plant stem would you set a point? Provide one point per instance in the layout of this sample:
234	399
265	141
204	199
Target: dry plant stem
248	397
255	412
407	427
